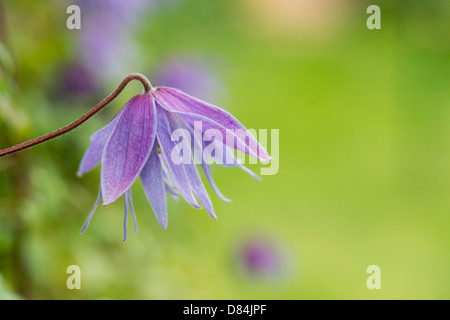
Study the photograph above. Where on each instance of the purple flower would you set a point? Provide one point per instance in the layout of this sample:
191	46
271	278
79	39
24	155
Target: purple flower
194	75
106	47
138	142
118	12
75	80
260	257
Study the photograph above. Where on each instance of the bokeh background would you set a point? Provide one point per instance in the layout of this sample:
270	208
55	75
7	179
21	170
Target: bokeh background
364	177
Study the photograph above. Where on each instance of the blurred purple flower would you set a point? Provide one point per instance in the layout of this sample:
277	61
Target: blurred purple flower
119	12
106	52
260	258
193	75
129	146
106	47
74	80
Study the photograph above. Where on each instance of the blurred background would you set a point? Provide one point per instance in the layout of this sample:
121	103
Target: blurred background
364	178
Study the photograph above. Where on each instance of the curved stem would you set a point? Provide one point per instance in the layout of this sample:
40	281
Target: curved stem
86	116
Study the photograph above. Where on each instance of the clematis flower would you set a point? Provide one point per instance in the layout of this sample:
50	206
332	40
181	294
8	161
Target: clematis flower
262	258
137	142
259	258
194	75
74	81
105	38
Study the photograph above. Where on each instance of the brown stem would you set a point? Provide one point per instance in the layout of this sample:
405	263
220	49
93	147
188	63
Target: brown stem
86	116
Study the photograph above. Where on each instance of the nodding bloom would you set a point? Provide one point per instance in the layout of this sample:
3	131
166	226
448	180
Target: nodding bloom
138	142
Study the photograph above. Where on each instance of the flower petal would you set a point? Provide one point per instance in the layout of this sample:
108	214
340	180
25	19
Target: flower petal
168	182
205	166
228	154
177	171
128	148
130	203
125	220
192	173
99	197
154	186
209	177
93	154
213	117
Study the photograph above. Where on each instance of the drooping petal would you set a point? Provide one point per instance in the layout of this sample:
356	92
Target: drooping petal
130	203
86	224
192	173
212	117
168	182
209	177
250	172
125	219
228	154
197	143
199	189
177	171
225	158
93	154
170	189
128	148
153	183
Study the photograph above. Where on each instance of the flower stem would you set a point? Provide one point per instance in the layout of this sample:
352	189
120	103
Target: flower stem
86	116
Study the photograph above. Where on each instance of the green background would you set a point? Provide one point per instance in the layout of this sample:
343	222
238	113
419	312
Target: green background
364	177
